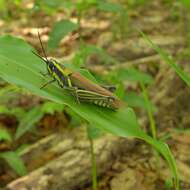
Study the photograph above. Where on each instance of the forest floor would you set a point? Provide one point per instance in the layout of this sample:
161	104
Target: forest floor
135	167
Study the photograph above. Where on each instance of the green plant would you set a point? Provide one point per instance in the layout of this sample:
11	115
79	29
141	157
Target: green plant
11	157
14	161
59	31
4	135
20	67
168	59
29	119
26	123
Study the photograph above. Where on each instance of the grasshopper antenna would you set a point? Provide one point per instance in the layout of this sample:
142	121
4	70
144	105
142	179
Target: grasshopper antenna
38	55
43	50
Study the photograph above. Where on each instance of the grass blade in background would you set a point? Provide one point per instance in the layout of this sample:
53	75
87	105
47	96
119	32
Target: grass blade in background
165	56
14	161
21	67
28	121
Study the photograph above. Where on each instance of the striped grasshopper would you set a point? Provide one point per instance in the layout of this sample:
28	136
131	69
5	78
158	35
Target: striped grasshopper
80	87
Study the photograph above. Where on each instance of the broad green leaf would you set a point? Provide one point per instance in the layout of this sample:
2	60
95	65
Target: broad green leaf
59	31
4	135
30	119
164	55
21	67
15	162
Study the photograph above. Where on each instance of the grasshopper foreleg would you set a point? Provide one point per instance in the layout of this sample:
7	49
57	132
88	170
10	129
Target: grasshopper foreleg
49	82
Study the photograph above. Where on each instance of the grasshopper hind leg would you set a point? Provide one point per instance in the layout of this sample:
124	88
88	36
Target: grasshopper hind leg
73	91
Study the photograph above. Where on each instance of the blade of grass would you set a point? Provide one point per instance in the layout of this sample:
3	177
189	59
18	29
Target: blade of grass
167	58
14	161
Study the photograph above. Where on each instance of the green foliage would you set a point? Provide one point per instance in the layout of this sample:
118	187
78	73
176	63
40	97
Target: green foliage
149	110
168	183
121	25
136	3
185	2
21	67
51	108
4	135
34	115
84	5
50	7
93	132
164	55
120	90
31	118
14	161
87	50
131	74
55	4
135	100
109	7
6	6
59	31
16	111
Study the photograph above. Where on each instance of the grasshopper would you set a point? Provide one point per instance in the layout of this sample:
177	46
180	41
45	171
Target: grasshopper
80	87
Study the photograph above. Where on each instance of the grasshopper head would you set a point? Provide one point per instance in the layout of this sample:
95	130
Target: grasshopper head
50	65
53	66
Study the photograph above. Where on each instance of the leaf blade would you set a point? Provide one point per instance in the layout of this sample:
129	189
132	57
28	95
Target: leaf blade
21	67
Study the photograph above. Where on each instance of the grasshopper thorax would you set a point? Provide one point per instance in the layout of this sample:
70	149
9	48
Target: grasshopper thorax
53	66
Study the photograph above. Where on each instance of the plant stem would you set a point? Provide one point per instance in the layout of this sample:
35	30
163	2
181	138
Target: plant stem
152	123
149	110
93	161
79	16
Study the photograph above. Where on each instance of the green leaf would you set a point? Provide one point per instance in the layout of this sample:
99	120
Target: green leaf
4	135
4	109
30	119
85	5
16	111
87	50
185	2
59	31
87	74
21	67
131	74
52	107
164	55
94	132
120	91
55	4
15	162
135	100
109	7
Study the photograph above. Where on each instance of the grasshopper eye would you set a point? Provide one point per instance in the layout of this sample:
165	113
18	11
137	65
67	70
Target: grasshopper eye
50	65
